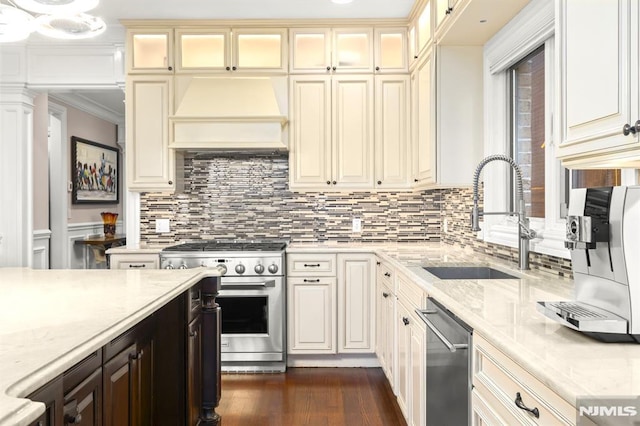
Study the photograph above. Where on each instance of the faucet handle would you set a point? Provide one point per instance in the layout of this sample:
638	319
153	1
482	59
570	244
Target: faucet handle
475	218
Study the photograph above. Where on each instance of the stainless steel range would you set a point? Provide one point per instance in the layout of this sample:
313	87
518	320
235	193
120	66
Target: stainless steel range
251	298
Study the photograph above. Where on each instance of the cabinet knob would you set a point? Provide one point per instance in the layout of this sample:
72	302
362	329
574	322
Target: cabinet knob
378	263
328	182
629	129
405	320
385	294
170	68
386	274
333	68
193	333
334	182
228	68
74	420
379	182
234	68
377	68
328	68
449	10
415	56
170	182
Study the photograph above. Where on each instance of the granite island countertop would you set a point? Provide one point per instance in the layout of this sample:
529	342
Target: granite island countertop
504	312
52	319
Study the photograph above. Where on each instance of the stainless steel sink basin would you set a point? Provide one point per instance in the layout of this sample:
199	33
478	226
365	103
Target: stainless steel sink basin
468	273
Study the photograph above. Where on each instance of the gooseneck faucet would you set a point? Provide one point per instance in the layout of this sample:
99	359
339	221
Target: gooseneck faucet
525	233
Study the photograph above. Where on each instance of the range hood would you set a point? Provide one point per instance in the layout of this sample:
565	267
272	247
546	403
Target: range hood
229	113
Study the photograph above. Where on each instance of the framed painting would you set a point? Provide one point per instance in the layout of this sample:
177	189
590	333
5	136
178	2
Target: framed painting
95	172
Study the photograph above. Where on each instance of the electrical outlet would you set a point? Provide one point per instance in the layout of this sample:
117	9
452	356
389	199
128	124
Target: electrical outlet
162	225
357	225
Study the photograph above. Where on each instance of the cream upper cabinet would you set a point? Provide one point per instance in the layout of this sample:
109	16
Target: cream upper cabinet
599	82
149	51
392	108
390	50
240	50
335	50
423	122
424	27
454	89
331	132
412	45
151	165
443	11
356	303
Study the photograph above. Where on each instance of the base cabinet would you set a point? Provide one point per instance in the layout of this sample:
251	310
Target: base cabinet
83	403
385	320
52	396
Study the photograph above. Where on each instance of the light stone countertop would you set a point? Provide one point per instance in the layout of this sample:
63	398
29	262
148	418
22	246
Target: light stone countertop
504	312
51	319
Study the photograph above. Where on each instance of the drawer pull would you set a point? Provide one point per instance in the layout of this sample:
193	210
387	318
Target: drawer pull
142	265
521	405
311	281
385	294
311	265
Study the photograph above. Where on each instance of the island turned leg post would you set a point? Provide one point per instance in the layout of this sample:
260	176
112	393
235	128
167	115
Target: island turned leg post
211	372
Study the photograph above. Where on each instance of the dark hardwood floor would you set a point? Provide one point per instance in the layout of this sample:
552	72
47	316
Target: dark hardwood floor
309	396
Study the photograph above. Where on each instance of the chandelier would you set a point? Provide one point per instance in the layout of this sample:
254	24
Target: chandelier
61	19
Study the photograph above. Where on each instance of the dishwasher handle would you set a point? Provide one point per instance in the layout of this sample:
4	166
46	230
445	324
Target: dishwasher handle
451	346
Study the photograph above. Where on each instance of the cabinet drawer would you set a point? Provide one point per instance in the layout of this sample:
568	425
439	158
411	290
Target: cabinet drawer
409	292
134	261
311	264
500	379
79	372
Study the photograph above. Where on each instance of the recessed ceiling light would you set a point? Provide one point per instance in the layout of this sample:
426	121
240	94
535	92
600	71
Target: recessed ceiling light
341	1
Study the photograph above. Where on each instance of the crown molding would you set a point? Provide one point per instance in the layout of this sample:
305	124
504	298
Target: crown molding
78	101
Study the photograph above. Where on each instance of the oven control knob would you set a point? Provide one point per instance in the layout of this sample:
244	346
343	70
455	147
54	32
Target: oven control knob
169	266
273	268
223	267
259	268
240	268
183	266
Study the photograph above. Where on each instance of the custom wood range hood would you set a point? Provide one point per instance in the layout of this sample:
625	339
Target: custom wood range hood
229	113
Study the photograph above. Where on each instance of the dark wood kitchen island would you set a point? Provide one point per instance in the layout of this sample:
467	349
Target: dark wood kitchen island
108	347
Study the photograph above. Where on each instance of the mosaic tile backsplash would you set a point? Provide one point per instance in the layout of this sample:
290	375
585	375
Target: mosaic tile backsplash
246	196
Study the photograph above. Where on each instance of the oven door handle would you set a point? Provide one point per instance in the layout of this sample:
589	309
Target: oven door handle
247	285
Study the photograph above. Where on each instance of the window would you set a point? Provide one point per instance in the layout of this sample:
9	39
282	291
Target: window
527	81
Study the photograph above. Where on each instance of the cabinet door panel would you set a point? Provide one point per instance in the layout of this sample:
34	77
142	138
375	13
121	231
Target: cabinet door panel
194	370
150	163
352	50
119	388
260	50
311	128
150	51
390	50
203	50
312	315
601	95
353	131
355	303
392	131
310	51
423	129
404	359
83	404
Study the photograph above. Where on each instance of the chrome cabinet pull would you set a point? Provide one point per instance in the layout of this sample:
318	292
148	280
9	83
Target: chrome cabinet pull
451	346
520	405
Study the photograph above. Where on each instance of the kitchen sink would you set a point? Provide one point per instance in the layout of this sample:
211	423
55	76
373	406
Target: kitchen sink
468	273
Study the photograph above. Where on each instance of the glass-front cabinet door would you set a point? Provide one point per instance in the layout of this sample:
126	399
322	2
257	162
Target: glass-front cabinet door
150	51
310	50
259	50
352	50
200	50
390	50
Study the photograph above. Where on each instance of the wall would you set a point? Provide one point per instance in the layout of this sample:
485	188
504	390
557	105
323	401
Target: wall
87	126
247	197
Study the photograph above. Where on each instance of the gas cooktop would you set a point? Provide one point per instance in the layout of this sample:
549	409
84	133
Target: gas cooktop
227	245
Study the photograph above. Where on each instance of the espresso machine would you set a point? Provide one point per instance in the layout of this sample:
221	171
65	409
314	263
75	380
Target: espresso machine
603	235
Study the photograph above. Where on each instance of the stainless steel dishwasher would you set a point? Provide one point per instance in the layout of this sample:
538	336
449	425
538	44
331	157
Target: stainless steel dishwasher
448	366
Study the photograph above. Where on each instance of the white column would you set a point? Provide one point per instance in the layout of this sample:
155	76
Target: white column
16	176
